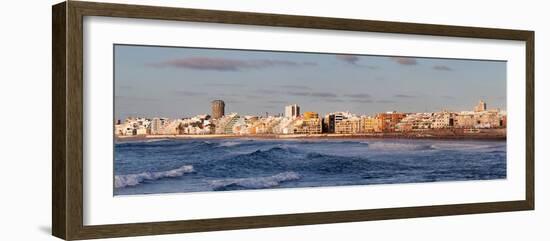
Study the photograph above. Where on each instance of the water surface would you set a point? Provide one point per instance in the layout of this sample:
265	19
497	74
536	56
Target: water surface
168	166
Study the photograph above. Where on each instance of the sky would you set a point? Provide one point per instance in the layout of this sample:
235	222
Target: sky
177	82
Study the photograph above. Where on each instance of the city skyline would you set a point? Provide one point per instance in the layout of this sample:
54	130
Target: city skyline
181	82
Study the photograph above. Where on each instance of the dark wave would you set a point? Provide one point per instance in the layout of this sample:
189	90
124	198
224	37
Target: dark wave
253	182
127	180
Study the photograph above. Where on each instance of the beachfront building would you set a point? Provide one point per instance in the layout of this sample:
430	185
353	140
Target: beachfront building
197	125
424	121
443	120
292	111
220	123
310	123
140	130
169	127
465	119
480	107
479	120
132	127
285	126
309	126
488	119
388	121
406	124
157	125
369	124
240	126
313	125
351	125
328	123
228	127
503	119
218	109
310	115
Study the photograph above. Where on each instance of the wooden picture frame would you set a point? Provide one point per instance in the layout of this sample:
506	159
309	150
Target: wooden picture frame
67	124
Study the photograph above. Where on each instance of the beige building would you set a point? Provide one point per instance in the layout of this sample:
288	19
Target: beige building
485	119
369	124
292	111
443	120
308	126
352	125
481	106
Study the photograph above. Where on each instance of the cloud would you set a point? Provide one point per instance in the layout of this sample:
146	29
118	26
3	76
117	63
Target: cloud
333	100
277	102
385	101
134	98
233	101
350	59
404	96
404	60
361	100
313	94
225	64
353	60
448	97
323	95
442	68
224	84
269	106
267	91
253	96
358	96
188	93
295	87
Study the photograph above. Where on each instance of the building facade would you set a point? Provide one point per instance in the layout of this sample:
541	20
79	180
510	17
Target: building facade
387	121
218	109
481	106
292	111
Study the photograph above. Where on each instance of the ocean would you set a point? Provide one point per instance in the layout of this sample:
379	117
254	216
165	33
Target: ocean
197	165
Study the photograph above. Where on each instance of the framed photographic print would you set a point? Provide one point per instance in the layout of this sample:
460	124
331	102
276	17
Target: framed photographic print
171	120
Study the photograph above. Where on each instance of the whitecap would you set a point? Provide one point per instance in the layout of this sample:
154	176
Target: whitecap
396	146
229	143
135	179
255	182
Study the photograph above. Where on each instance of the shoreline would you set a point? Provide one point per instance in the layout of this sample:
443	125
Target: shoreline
475	136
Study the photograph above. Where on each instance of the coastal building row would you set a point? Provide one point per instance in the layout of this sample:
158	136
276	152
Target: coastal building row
311	123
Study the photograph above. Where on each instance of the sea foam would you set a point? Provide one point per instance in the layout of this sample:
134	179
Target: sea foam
254	182
397	146
135	179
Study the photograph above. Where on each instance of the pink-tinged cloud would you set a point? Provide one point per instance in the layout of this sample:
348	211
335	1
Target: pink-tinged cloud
442	68
404	60
224	64
350	59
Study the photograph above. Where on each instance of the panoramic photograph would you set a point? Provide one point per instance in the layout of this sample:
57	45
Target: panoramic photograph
204	120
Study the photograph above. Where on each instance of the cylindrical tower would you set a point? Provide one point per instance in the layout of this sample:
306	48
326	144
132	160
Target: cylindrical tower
218	109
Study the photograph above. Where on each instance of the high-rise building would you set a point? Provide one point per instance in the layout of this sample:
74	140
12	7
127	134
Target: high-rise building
218	109
292	111
481	106
328	123
157	125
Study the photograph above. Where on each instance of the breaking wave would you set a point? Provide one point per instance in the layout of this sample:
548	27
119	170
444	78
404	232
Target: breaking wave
253	182
394	146
230	143
467	146
135	179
